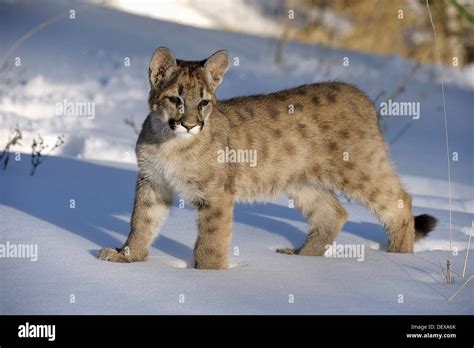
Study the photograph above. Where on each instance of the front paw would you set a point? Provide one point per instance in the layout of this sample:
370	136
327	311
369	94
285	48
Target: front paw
115	255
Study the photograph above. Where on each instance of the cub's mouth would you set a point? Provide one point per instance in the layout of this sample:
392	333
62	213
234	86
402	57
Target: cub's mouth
182	130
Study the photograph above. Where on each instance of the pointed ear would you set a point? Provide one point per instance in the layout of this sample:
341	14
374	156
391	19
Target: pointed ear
216	66
162	65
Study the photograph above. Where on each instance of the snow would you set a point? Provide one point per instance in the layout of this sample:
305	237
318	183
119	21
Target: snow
235	15
82	60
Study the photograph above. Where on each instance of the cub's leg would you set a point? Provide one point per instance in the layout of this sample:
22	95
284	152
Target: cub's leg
325	216
393	207
151	208
214	233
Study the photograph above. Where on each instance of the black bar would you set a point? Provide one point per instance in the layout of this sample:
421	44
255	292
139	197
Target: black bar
242	330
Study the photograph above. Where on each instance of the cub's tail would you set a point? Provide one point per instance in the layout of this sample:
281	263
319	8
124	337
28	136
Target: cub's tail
424	224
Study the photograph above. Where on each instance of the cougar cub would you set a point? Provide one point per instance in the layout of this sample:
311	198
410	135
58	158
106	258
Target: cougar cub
306	142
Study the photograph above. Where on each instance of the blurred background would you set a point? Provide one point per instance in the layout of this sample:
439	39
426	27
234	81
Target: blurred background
374	26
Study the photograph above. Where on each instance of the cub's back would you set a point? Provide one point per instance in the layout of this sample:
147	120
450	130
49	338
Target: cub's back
297	129
323	117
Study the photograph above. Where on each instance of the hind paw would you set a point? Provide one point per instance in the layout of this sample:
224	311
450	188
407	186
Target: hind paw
287	251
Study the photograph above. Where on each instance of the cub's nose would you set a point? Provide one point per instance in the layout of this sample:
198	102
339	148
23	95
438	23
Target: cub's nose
188	125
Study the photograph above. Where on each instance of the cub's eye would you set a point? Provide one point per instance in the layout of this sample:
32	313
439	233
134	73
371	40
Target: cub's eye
175	100
203	103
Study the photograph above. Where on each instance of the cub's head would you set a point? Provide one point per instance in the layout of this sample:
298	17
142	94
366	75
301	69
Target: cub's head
183	93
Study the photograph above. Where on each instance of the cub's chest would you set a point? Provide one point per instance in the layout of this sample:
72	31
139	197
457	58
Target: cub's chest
160	166
176	172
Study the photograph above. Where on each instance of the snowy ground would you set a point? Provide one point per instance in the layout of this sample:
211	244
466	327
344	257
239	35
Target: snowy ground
82	60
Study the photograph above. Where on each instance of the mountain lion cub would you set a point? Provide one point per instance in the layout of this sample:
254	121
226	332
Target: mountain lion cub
306	142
